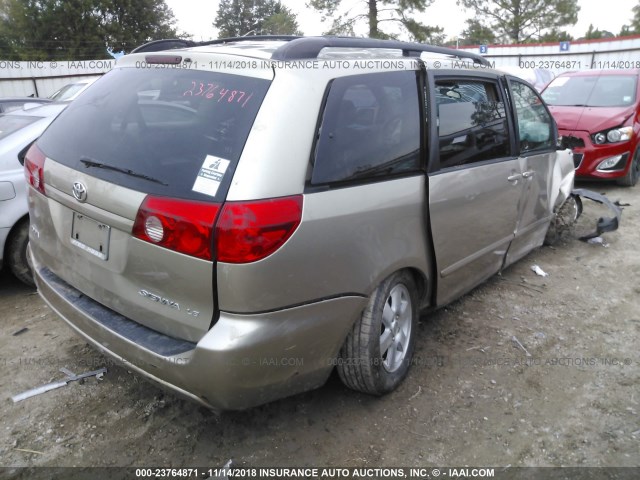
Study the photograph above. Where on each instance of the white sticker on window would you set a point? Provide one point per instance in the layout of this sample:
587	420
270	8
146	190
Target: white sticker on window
210	175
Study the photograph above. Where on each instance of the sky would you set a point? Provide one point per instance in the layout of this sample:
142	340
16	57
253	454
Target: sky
196	17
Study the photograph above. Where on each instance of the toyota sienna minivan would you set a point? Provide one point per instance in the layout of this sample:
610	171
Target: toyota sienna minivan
234	220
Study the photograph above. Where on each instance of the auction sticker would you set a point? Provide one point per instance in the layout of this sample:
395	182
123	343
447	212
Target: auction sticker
210	175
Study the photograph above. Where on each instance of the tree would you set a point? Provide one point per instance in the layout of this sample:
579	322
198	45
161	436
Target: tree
634	28
520	21
80	29
376	12
129	23
594	33
477	34
555	35
283	23
236	18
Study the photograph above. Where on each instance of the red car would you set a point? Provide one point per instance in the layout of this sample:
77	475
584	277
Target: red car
598	111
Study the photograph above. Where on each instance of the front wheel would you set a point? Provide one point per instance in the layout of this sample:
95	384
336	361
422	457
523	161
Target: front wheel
377	353
564	220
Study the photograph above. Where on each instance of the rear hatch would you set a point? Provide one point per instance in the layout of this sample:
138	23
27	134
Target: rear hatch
135	171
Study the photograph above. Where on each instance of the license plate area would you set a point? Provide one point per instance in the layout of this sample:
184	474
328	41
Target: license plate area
90	235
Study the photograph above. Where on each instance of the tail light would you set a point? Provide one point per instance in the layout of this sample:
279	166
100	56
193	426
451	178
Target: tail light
179	225
250	231
245	231
34	168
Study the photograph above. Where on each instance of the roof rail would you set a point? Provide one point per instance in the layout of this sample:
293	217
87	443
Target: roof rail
172	43
250	38
310	47
298	48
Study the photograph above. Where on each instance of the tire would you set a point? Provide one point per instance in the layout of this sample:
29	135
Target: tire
631	178
564	220
17	253
390	318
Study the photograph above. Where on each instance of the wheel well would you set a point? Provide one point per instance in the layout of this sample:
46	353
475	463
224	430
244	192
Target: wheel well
421	283
12	232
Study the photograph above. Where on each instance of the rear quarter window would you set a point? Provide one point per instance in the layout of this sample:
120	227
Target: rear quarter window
370	128
178	133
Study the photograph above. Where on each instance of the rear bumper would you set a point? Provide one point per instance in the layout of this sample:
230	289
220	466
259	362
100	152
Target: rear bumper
243	361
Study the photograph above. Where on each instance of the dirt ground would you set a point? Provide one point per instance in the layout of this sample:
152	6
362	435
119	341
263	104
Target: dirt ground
473	396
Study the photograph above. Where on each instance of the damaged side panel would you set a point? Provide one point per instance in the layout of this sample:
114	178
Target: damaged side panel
562	179
547	180
568	206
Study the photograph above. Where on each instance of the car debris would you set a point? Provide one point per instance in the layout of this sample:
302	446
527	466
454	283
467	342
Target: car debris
538	271
224	473
604	224
21	331
598	241
71	377
515	340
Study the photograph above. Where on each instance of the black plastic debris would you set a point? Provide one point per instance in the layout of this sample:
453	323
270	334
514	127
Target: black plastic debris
604	224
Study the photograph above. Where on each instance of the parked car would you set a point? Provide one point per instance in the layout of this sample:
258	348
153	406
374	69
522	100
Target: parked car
18	130
538	77
71	90
9	104
598	112
282	208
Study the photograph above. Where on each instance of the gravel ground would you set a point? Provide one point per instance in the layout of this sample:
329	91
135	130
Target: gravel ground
523	371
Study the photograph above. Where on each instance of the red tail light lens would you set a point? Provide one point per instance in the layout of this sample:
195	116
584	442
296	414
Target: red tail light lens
34	168
250	231
180	225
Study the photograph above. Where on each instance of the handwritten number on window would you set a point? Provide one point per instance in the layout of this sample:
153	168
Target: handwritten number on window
213	90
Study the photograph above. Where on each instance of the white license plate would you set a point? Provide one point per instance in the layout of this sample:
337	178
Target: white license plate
90	235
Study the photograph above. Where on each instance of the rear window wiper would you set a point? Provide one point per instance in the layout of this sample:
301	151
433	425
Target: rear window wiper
92	163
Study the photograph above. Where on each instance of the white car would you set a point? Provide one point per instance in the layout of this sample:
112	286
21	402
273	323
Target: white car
18	130
538	77
71	90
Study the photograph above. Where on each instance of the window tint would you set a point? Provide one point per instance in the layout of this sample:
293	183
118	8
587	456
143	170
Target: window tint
13	123
183	128
535	127
370	128
472	122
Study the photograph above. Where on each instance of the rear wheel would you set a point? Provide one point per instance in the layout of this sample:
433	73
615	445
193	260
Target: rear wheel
17	253
631	178
377	353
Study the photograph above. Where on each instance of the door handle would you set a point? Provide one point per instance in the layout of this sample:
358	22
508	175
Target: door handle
528	174
514	178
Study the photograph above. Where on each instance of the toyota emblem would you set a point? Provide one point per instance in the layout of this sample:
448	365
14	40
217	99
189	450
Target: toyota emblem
80	191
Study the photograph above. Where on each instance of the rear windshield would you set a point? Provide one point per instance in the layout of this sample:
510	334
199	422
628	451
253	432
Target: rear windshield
13	123
168	132
592	91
